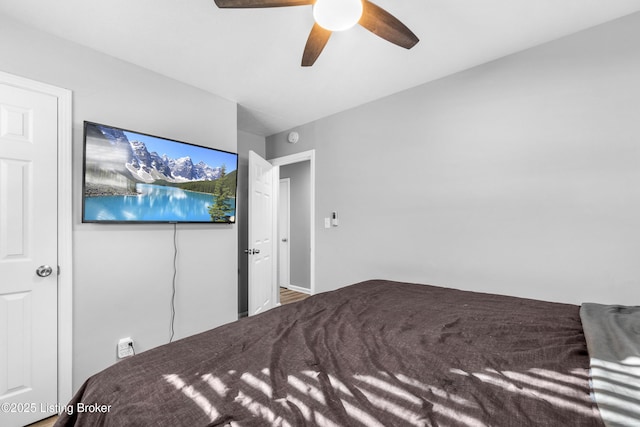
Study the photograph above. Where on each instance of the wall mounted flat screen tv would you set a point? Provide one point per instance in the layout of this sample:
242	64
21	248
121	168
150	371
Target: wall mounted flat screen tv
132	177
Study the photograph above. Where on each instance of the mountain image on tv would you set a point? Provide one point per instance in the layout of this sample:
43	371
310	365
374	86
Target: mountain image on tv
136	177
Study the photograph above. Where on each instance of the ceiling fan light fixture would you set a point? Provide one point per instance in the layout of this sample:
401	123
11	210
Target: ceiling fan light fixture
337	15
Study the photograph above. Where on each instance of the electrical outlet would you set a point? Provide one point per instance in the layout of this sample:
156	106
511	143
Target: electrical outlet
125	348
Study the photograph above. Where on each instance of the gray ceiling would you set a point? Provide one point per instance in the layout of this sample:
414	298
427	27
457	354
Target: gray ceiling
252	56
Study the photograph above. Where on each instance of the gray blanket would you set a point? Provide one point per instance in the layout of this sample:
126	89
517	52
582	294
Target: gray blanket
377	353
612	333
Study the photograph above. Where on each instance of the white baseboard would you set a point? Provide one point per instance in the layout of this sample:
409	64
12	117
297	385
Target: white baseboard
298	289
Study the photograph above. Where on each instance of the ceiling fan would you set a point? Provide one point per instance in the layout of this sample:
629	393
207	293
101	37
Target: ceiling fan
337	15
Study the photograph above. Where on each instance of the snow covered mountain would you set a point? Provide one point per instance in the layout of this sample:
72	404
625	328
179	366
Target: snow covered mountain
148	167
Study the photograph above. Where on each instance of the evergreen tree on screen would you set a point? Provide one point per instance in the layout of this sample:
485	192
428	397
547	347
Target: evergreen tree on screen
221	207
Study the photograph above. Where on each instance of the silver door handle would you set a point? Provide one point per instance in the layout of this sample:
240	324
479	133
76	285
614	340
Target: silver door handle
251	251
44	271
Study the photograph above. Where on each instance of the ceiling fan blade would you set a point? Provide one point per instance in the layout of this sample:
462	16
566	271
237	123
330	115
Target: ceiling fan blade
318	38
383	24
240	4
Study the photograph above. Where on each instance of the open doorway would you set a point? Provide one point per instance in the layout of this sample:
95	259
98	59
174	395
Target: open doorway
243	235
296	234
294	227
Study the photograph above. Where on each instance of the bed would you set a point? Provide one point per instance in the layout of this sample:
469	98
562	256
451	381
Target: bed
376	353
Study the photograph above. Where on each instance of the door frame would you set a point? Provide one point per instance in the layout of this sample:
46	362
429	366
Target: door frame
310	156
65	226
287	183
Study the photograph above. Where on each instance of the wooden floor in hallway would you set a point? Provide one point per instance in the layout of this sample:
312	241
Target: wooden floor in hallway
288	296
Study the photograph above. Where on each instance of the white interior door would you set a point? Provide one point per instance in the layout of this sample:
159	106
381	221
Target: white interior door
262	253
28	254
284	233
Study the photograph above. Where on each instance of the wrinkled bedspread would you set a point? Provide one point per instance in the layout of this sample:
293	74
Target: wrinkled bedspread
376	353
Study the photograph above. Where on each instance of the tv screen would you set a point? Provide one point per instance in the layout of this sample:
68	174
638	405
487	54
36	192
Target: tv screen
132	177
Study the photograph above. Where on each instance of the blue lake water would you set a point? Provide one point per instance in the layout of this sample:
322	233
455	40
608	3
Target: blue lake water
154	203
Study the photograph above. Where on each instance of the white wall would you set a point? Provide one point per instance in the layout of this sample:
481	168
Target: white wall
517	177
122	277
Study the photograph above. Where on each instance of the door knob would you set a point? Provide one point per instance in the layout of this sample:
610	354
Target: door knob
285	240
251	251
44	270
